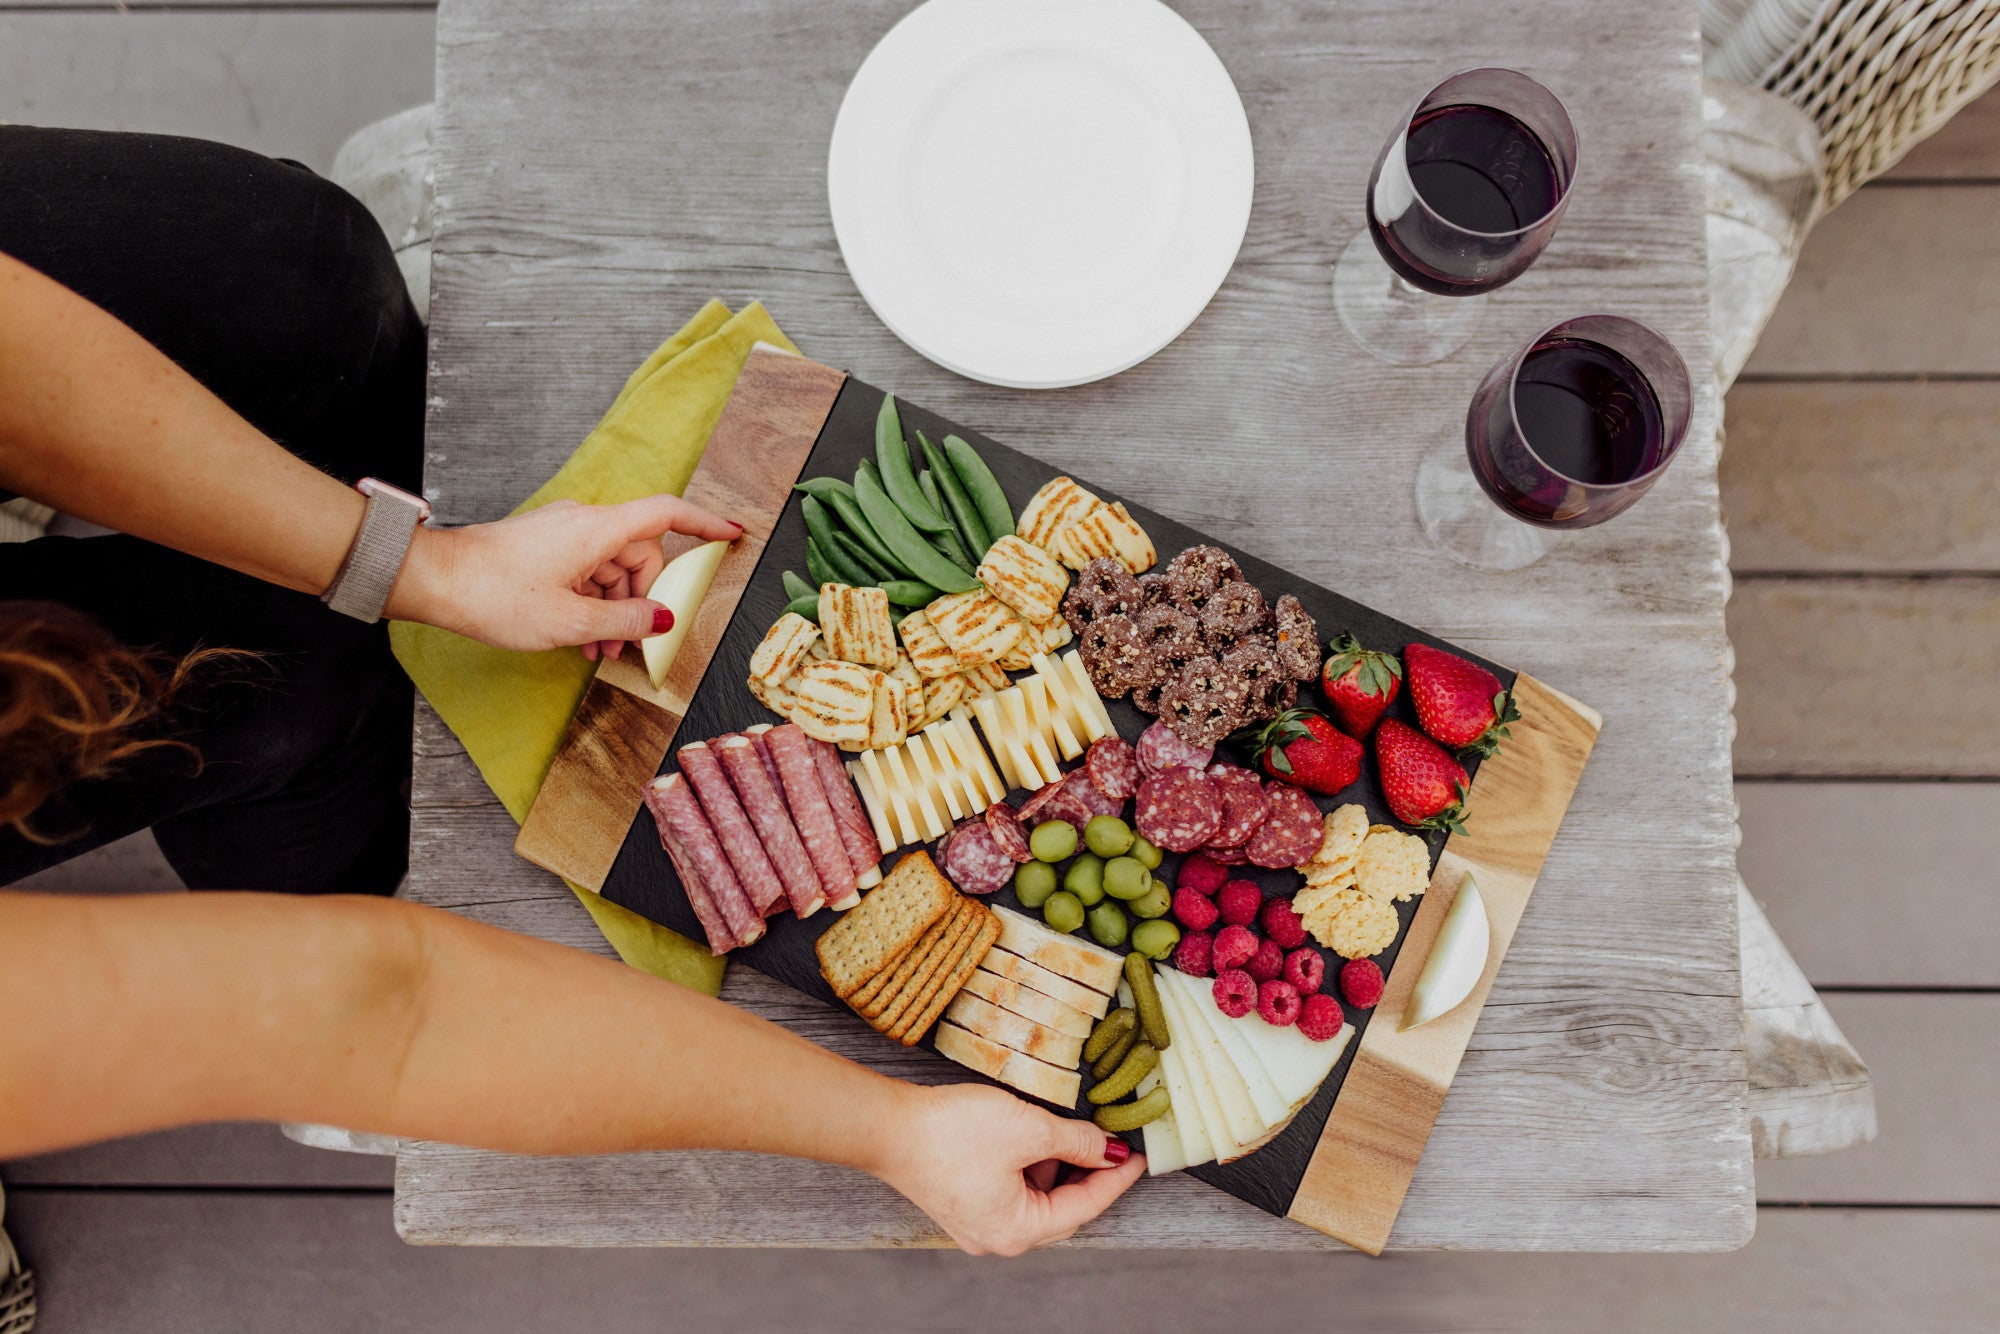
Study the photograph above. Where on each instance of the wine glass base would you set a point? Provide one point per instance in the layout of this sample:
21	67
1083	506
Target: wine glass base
1462	521
1393	320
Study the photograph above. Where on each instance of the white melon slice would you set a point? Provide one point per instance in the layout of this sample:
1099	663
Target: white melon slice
1226	1110
1162	1134
680	587
1458	958
1190	1127
1264	1096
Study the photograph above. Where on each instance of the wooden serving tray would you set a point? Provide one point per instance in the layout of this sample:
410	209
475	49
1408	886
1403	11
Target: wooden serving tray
1345	1162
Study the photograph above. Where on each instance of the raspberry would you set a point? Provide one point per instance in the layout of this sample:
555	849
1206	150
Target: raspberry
1196	912
1305	969
1361	983
1267	962
1195	954
1278	1003
1239	901
1282	924
1202	874
1320	1019
1233	947
1235	992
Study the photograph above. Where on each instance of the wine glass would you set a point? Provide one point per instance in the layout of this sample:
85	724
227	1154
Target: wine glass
1465	195
1567	432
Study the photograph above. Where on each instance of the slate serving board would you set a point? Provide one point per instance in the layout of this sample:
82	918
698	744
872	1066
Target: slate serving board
642	878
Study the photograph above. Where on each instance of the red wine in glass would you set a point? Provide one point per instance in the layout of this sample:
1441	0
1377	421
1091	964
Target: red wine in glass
1482	180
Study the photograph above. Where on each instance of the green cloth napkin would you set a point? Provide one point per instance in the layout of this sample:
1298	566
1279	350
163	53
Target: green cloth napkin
511	709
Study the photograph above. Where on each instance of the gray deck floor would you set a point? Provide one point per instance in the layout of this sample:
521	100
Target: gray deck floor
1864	510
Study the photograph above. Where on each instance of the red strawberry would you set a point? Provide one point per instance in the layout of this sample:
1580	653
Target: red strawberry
1461	704
1425	786
1359	684
1301	747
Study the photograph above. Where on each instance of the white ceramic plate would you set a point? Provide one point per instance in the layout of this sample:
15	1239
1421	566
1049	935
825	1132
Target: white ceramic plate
1038	193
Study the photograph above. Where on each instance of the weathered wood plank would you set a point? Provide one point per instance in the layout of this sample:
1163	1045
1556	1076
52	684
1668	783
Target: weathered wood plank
1935	1088
1860	478
293	83
231	1154
1922	261
1867	677
1966	149
1878	884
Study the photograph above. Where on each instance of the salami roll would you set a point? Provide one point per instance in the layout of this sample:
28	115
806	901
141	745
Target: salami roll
725	912
812	813
1290	833
1244	806
1004	823
733	828
1178	809
974	860
764	802
1160	748
1078	785
1113	767
1226	856
856	832
760	735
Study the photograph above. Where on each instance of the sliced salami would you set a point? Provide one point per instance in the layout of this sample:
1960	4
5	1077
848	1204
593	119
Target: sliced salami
1290	833
733	828
1004	823
1160	749
974	860
1244	806
812	812
1113	767
1078	783
727	916
1178	808
763	801
1056	801
1226	856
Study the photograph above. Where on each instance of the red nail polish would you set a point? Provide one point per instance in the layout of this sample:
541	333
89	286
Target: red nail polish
1116	1150
733	524
663	620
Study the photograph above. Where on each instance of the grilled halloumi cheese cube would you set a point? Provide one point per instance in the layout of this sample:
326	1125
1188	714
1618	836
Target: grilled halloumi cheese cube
783	648
888	720
778	698
1108	530
1060	503
978	626
941	694
1020	657
906	672
929	654
1052	634
985	679
856	625
1025	577
834	701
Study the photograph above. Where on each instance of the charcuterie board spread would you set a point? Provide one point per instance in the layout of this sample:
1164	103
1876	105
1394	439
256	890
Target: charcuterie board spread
1116	816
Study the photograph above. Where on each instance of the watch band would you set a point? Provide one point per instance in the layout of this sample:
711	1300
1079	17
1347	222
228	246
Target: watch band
361	588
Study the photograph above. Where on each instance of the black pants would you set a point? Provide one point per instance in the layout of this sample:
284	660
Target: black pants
277	291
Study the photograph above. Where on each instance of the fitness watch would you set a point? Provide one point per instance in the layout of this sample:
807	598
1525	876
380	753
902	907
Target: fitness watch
361	588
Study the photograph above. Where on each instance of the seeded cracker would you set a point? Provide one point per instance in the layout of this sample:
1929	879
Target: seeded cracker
968	964
1340	837
1393	866
954	968
880	989
887	923
892	1004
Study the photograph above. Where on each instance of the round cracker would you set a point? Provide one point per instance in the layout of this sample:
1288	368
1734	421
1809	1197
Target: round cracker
1313	898
1361	926
1393	866
1342	832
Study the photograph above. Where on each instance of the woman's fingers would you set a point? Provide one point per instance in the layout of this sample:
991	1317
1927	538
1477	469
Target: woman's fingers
653	516
1081	1142
1088	1194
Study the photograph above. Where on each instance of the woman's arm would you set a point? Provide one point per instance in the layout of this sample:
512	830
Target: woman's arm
135	1013
98	423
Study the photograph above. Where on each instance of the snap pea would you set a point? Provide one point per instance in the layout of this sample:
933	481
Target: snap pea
946	544
816	566
957	504
912	552
909	592
893	456
807	607
857	555
896	615
838	496
796	588
995	515
1146	999
822	488
819	524
1131	1115
1109	1029
1138	1063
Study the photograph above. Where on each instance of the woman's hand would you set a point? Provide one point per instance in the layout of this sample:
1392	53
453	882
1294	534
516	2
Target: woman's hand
562	574
965	1156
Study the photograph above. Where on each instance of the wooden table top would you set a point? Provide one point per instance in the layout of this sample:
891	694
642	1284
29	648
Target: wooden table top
604	166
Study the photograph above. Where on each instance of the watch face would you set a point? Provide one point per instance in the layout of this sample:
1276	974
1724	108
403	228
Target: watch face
374	486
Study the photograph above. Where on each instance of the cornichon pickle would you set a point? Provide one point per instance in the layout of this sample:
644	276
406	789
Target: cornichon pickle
1138	1063
1119	1050
1131	1115
1109	1029
1146	999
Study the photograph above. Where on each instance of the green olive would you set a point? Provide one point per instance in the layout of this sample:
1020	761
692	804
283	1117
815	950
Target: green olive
1108	836
1085	879
1053	840
1125	878
1063	911
1108	925
1154	902
1145	853
1033	883
1155	939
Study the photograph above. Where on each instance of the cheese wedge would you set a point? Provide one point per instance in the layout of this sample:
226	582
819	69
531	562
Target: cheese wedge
1271	1107
1074	994
1086	693
1071	956
1457	960
1295	1063
680	587
878	815
1201	1100
1190	1130
1016	1032
1162	1136
1241	1125
966	746
1029	1003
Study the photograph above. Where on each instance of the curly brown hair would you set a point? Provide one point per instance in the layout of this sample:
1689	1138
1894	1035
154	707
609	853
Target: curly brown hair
75	704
